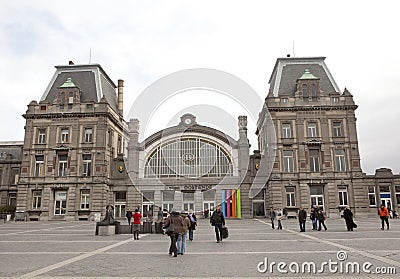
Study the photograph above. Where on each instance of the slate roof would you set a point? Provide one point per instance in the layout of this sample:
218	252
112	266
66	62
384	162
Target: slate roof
288	70
12	148
91	79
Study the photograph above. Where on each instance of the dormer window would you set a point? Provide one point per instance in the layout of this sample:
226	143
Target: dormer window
308	86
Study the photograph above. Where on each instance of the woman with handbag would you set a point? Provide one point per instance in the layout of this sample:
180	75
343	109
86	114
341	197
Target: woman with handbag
173	226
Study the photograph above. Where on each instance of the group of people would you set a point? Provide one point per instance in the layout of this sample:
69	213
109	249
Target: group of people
182	225
317	217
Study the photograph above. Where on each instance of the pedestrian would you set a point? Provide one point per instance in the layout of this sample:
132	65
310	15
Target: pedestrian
272	216
181	241
348	217
217	220
136	224
177	222
193	224
321	219
128	216
302	215
279	216
383	213
313	217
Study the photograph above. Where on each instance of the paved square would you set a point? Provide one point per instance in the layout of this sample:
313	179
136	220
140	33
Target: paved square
71	250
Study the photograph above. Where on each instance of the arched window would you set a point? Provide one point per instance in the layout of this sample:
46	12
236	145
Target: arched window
304	90
313	91
189	157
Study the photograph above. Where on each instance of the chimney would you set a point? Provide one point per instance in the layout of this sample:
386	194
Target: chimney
71	62
120	96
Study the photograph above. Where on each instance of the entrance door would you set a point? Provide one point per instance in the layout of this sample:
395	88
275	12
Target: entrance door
208	205
317	201
258	209
386	200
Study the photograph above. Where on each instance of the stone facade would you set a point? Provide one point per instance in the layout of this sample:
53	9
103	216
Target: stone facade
79	154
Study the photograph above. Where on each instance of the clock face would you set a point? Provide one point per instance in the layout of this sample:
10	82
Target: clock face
188	121
121	168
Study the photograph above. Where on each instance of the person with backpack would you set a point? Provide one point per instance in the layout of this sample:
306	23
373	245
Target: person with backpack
383	213
181	241
217	220
193	224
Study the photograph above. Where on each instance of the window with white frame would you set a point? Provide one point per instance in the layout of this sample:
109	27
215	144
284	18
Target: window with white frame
60	202
14	176
314	157
88	135
41	139
36	199
340	160
85	198
290	197
62	165
188	201
64	135
288	162
337	130
286	131
343	198
371	196
87	164
312	129
39	165
168	200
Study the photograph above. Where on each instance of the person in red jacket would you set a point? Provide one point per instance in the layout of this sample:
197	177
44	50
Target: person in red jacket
383	213
136	224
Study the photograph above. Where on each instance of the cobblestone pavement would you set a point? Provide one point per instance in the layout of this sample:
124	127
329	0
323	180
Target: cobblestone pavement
253	249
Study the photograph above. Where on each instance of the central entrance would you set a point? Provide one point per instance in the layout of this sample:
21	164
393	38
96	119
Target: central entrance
317	196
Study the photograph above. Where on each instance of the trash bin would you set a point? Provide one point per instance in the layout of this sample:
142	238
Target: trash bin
158	227
8	217
146	227
19	216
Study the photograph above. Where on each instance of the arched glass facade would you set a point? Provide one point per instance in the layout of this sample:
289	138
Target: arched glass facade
189	157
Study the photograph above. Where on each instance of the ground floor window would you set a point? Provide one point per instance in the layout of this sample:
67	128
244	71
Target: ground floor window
343	199
371	196
12	199
60	202
290	197
36	199
85	195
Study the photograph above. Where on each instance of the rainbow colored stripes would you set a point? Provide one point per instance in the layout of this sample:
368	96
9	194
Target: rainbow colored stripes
231	207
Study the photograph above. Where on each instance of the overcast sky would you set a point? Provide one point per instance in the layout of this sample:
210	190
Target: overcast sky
142	41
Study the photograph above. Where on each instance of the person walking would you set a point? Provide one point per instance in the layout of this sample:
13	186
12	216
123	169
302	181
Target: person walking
136	224
383	213
321	219
272	216
302	215
279	216
128	216
313	217
193	224
348	217
181	241
217	220
177	222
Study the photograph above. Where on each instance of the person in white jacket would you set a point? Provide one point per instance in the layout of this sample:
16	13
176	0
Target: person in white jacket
279	216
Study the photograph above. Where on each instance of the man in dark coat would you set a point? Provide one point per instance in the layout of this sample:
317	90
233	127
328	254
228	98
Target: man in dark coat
217	220
302	215
348	217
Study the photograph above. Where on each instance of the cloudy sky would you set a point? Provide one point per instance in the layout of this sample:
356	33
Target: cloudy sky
142	41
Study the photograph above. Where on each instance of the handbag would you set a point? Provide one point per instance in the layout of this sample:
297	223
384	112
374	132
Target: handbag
170	228
225	232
